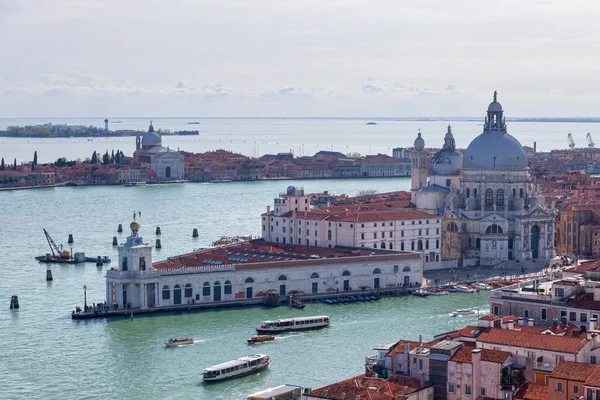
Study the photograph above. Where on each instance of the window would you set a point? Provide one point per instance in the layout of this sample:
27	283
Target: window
124	264
401	246
314	275
437	243
420	232
391	246
420	245
412	245
494	229
572	316
544	314
395	269
451	387
593	361
401	233
374	235
559	292
188	290
489	198
383	235
559	387
206	289
575	389
526	314
500	198
427	244
227	287
467	389
496	310
383	245
329	234
391	234
383	224
362	236
452	227
583	317
375	224
166	293
482	392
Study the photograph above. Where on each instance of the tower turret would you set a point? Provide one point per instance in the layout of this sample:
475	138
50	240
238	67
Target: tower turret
418	159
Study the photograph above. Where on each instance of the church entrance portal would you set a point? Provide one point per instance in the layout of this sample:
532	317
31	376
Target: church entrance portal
177	295
535	241
217	292
168	172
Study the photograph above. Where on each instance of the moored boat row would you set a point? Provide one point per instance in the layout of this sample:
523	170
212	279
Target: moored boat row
349	299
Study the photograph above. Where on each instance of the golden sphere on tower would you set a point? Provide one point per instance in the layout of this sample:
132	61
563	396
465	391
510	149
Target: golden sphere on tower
135	226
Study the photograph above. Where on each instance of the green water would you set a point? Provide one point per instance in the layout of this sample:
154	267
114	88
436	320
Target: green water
47	355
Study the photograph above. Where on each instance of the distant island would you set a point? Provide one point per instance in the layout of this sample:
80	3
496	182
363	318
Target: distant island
65	131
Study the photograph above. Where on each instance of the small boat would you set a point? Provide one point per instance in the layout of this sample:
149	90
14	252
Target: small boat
463	311
260	338
450	288
420	293
132	184
464	289
438	292
235	368
293	324
371	123
174	342
482	286
221	181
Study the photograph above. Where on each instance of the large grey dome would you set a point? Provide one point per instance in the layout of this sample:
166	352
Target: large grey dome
495	151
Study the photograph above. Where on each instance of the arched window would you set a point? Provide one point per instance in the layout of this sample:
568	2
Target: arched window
124	264
437	243
249	280
412	245
420	245
346	273
282	278
374	245
391	246
521	193
452	227
494	229
383	245
166	293
227	287
217	283
401	246
329	234
206	289
468	193
500	198
314	275
478	243
376	271
188	290
489	198
427	244
406	269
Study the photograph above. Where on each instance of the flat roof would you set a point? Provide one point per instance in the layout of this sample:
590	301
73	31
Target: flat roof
257	253
274	391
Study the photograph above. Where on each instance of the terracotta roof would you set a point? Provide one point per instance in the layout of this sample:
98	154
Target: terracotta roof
351	215
586	301
532	391
531	340
573	371
399	347
395	388
594	378
490	317
465	355
471	331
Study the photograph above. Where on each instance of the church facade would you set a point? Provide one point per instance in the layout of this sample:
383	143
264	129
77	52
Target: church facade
166	163
492	212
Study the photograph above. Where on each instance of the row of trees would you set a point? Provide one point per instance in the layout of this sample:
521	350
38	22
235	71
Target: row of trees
108	158
3	166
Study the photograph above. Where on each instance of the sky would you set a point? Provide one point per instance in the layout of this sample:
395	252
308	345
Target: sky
298	58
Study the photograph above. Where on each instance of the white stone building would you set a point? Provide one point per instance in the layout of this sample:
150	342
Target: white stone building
294	220
492	212
248	270
166	163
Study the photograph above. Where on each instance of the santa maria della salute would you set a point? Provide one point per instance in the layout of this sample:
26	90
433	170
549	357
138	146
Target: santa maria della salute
491	210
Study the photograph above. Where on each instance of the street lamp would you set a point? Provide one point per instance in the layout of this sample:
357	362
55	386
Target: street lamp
84	298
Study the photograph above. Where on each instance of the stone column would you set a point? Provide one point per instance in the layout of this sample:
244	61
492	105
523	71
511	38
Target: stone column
143	295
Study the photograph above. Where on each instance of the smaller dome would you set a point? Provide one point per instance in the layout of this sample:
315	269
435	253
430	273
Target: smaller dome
419	143
495	107
449	135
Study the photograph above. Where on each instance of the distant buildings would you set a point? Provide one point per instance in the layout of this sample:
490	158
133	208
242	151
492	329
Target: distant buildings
167	164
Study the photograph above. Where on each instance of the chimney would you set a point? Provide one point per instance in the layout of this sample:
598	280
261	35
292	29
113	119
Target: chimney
420	340
421	379
555	323
530	322
534	147
593	324
343	396
520	321
511	325
268	209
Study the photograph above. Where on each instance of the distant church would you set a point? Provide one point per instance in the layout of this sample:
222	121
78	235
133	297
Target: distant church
166	163
491	210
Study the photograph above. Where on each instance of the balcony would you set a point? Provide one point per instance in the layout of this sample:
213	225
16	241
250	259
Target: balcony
543	366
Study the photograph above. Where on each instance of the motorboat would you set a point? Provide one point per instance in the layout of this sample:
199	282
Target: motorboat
293	324
438	292
235	368
450	288
174	342
462	311
420	293
260	338
464	289
482	286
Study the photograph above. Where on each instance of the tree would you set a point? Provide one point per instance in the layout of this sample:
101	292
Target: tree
122	156
112	157
35	157
94	158
59	162
365	195
15	165
118	157
105	158
2	164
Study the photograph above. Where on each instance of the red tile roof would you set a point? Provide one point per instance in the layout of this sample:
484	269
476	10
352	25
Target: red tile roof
594	378
465	355
573	371
369	215
395	388
586	301
532	391
531	340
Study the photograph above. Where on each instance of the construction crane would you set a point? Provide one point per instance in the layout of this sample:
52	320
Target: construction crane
53	246
590	141
571	141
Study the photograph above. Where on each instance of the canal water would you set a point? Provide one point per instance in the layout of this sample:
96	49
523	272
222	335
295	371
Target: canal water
47	355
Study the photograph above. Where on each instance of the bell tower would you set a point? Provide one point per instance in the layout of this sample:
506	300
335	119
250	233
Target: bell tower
418	165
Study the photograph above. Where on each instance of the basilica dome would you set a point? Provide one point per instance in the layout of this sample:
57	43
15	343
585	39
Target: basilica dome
151	138
495	149
447	161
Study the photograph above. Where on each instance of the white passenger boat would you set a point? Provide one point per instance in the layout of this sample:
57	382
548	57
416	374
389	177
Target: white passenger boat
236	368
482	286
293	324
462	311
464	289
